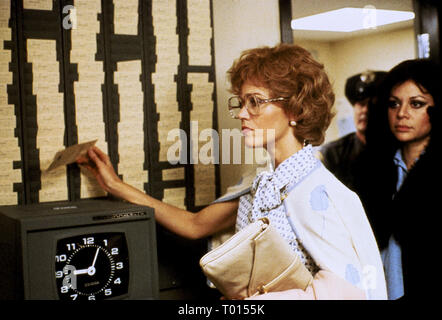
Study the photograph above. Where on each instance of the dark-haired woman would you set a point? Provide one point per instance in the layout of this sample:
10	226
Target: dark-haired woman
400	192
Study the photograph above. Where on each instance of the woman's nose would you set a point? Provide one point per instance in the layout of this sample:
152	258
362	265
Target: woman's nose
403	111
243	113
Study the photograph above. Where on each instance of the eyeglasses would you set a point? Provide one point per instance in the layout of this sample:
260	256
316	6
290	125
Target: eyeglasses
251	102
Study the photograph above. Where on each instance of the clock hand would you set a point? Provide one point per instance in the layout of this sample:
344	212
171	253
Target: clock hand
90	271
95	258
81	271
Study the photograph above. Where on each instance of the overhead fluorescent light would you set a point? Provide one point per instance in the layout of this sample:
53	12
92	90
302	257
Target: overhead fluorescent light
351	19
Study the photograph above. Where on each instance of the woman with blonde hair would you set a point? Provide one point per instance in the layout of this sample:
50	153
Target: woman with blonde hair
282	90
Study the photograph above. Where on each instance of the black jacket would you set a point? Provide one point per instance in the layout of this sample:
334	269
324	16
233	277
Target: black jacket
340	157
413	215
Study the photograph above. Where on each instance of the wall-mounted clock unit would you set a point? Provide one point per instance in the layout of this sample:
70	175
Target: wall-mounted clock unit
84	250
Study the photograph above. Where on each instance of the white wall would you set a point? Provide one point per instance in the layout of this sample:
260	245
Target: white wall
239	25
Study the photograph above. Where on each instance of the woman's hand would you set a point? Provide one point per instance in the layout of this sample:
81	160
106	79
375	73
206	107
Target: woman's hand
209	220
99	164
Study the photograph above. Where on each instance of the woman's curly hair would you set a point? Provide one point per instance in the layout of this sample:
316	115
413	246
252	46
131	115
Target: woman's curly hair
290	71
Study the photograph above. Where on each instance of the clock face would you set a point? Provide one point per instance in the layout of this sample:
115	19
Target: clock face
92	266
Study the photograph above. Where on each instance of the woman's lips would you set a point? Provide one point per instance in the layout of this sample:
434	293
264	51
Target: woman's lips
402	128
245	130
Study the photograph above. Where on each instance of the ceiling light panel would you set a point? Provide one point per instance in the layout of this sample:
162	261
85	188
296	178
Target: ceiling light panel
350	19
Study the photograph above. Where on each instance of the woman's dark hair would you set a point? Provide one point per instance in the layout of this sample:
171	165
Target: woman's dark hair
425	74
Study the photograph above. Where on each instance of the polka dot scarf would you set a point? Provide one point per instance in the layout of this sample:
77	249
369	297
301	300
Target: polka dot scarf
267	194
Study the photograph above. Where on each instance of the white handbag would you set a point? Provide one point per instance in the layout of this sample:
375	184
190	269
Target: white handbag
254	261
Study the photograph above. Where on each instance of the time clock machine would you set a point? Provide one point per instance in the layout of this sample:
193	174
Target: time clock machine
84	250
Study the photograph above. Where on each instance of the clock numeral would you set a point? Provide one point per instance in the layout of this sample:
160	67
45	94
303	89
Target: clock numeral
119	265
64	289
59	274
105	242
92	297
107	292
114	251
117	281
60	258
89	240
74	296
71	246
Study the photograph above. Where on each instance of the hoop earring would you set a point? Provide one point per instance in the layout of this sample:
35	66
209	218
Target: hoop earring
292	123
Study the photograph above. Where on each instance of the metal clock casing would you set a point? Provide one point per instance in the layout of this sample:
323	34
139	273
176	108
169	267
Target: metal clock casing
92	266
34	236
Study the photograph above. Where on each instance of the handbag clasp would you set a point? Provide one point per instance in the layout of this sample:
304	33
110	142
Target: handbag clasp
266	222
262	290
